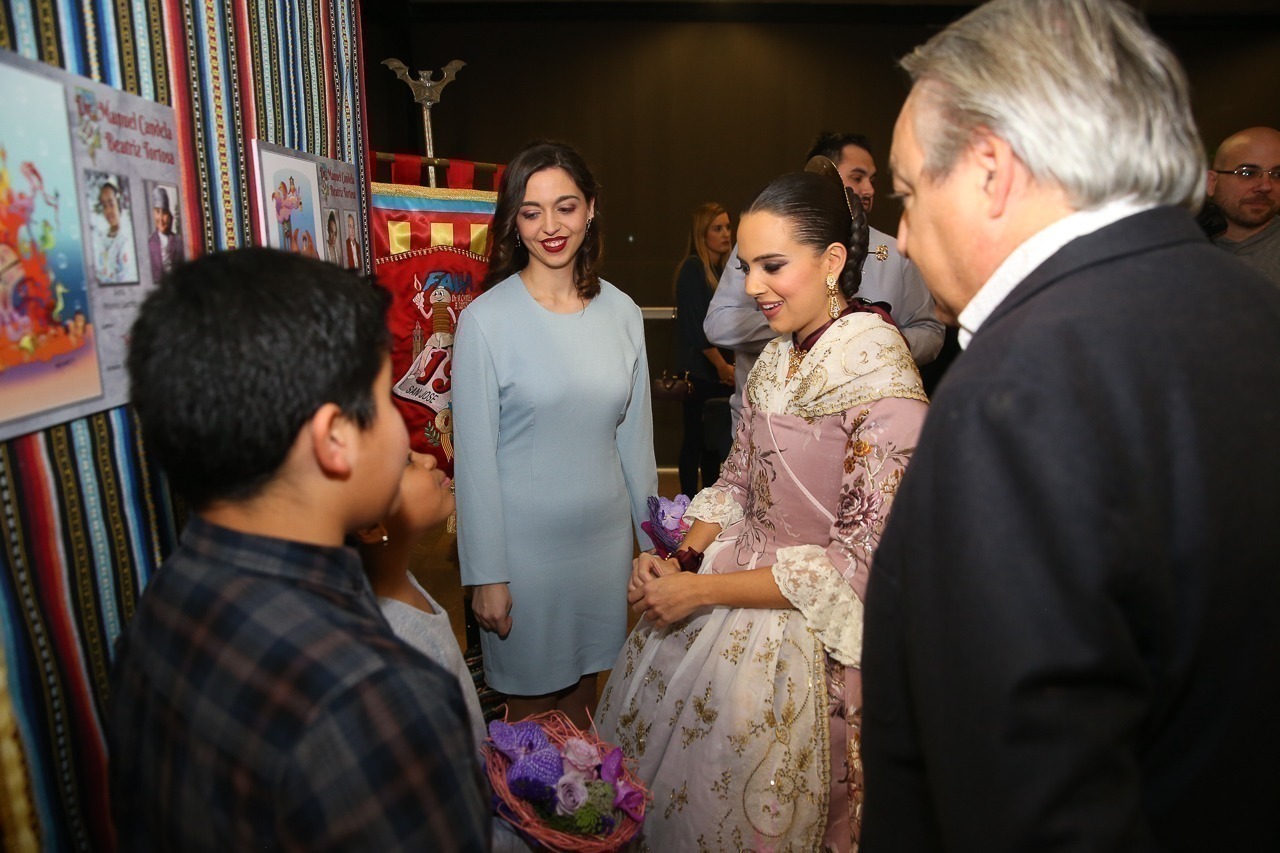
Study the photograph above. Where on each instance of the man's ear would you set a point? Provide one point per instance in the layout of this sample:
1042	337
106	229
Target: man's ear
1211	183
332	441
998	168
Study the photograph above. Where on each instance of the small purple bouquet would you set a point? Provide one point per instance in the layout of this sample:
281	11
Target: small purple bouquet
562	788
666	525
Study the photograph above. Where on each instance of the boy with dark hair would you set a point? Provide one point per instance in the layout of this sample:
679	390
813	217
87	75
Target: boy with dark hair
259	698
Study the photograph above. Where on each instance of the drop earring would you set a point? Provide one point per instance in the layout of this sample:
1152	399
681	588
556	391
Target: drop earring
589	221
518	243
833	296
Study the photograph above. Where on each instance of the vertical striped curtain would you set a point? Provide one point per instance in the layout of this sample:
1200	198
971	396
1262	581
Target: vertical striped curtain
85	515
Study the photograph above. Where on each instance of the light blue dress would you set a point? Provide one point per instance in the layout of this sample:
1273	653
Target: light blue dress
554	436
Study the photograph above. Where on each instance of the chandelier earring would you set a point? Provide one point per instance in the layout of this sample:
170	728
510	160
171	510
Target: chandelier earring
833	295
518	243
590	219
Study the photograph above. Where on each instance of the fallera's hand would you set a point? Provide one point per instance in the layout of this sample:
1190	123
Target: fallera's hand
670	598
649	565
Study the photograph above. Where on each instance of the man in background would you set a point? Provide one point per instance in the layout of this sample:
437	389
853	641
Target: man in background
1244	183
734	321
1072	629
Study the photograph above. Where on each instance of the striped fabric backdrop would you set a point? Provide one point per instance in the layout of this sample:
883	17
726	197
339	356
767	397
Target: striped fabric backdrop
87	516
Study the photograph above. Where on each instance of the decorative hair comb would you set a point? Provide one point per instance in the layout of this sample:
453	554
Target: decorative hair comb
820	165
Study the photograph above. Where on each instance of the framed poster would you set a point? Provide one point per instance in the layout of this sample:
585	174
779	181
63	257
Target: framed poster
304	203
47	354
79	163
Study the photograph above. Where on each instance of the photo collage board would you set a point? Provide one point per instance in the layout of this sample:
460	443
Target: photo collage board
308	204
90	219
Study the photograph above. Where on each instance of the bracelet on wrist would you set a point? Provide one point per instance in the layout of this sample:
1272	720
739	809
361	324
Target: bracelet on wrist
690	560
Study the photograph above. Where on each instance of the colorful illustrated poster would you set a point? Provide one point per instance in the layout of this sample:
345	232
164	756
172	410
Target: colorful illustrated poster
78	163
47	356
307	204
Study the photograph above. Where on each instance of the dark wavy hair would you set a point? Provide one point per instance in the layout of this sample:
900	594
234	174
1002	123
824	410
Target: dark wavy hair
235	351
507	257
821	210
831	145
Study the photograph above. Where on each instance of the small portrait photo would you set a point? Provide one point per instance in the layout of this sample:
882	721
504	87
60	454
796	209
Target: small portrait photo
112	255
164	245
351	243
332	235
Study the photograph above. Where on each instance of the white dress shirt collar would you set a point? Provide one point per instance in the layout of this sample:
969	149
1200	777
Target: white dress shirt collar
1033	252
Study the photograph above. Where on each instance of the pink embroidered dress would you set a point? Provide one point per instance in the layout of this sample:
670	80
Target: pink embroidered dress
745	722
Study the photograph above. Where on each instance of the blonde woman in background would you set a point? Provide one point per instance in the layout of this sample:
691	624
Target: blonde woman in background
705	444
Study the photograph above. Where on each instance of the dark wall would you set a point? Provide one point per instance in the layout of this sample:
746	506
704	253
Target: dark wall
669	114
674	104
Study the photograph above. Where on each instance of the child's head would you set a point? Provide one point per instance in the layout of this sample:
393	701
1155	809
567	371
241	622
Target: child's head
426	499
237	353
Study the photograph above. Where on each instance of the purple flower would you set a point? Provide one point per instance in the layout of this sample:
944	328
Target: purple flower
630	800
671	513
611	767
581	756
666	525
519	740
536	765
571	793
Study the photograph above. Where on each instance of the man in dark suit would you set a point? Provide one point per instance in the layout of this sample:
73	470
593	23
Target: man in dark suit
1072	635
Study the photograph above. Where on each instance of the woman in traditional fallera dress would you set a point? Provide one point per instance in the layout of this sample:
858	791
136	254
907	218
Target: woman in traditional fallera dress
739	692
554	438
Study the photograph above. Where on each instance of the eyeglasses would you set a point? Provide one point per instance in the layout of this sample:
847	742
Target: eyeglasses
1250	172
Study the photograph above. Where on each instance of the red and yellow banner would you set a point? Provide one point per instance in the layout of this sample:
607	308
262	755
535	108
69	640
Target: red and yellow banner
430	249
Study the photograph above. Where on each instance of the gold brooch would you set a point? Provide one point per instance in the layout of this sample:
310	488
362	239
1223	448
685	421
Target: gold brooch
794	359
882	252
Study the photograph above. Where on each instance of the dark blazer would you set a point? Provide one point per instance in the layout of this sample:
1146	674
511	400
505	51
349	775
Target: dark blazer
693	298
1072	632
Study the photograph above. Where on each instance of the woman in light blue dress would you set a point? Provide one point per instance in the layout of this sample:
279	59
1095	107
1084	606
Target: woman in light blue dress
554	438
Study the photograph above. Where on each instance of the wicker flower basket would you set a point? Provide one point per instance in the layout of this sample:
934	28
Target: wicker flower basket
525	818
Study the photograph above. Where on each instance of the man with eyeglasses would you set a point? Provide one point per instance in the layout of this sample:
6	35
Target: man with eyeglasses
1245	184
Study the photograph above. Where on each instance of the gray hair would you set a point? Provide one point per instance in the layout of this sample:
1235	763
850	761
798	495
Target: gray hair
1081	90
